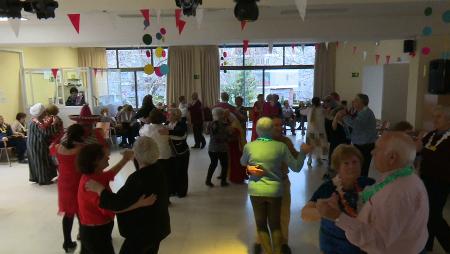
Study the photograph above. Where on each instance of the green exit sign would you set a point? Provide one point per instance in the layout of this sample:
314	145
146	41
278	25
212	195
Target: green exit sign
355	74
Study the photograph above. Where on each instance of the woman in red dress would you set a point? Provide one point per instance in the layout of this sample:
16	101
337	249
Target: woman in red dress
256	114
68	180
236	144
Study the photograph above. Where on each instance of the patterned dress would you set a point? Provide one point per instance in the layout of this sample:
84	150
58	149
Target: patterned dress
42	167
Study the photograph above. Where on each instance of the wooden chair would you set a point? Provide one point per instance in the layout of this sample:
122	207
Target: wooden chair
6	149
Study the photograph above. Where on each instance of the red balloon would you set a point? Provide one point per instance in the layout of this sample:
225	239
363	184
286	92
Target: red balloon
163	31
148	53
158	72
426	51
163	54
225	54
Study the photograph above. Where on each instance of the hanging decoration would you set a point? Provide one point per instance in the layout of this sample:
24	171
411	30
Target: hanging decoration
388	59
303	48
301	7
15	25
326	45
428	11
146	14
163	54
178	21
426	51
317	46
149	69
427	31
158	36
364	55
75	20
148	53
243	24
158	72
199	16
55	72
147	39
164	69
162	31
270	47
354	49
245	45
95	72
446	17
158	52
337	44
377	58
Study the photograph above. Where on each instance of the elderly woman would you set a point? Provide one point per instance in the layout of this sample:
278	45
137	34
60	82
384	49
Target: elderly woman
347	184
126	123
53	111
13	139
40	131
143	228
18	126
177	131
435	174
264	158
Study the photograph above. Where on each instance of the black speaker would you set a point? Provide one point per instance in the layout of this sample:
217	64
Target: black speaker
439	82
409	46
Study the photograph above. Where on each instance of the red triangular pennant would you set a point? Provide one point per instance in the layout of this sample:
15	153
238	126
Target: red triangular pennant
75	19
317	46
181	23
337	44
293	47
388	59
146	14
377	59
245	45
55	72
95	72
243	23
354	49
177	16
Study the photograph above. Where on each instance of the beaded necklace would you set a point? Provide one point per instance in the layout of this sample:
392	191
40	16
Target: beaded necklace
340	191
372	190
434	148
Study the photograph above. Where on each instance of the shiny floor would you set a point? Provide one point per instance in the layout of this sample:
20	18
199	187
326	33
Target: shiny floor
209	221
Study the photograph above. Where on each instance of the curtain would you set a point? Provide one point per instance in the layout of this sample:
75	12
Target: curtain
180	80
325	70
209	75
92	57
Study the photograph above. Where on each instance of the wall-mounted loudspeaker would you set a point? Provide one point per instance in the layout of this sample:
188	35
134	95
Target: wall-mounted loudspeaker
409	46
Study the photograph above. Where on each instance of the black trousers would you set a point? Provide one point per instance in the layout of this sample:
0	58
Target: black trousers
181	178
198	134
437	226
168	167
139	246
20	145
215	157
96	239
366	151
266	209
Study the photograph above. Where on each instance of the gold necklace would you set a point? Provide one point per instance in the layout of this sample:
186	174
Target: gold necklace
434	148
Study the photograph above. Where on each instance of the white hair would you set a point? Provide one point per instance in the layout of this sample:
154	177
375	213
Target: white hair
145	151
218	114
264	127
401	144
442	109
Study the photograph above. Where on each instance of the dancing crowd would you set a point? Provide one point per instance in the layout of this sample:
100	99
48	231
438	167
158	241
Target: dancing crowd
401	212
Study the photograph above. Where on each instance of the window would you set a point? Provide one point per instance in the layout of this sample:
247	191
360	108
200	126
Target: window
284	70
127	82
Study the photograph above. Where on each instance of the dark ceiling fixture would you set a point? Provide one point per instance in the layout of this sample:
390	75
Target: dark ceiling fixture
43	9
189	6
246	10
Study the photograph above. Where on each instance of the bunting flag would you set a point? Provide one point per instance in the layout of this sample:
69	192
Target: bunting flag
180	25
388	59
95	72
158	16
317	45
243	23
55	72
301	7
377	58
270	48
293	47
146	14
75	19
15	25
364	55
354	49
303	48
245	45
326	45
177	16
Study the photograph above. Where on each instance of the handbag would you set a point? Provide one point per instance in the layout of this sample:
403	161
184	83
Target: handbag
179	147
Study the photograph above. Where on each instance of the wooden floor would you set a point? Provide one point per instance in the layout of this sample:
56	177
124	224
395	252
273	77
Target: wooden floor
208	221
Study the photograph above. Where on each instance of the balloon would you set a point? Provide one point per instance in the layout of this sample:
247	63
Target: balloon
221	58
146	24
428	11
426	51
163	31
148	69
427	31
163	54
225	54
446	16
148	53
164	69
158	52
147	38
158	36
158	72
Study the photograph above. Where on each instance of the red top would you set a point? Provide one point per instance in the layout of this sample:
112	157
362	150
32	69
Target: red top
88	202
68	181
270	110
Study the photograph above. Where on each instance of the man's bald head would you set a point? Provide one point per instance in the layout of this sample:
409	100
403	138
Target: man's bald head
394	150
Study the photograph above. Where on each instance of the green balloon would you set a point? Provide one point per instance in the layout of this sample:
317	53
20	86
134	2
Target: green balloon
147	38
428	11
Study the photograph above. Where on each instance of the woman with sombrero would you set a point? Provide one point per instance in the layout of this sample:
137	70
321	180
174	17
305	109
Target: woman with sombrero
92	135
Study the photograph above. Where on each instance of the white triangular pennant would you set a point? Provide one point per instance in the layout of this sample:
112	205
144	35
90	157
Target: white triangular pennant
364	55
270	47
326	45
199	16
15	25
303	48
301	7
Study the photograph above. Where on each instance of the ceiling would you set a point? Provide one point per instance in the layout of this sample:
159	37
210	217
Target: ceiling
119	23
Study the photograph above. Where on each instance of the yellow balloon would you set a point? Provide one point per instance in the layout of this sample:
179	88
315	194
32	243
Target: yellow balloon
149	69
158	52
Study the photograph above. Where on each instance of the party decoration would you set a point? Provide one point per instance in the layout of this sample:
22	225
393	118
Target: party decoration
148	53
337	44
158	72
317	46
181	24
146	14
146	24
354	49
149	69
163	54
326	45
364	55
293	47
245	45
55	72
243	23
412	54
15	25
377	58
301	7
428	11
75	20
162	31
158	36
164	69
270	47
158	52
446	16
426	51
199	16
388	59
221	58
147	39
177	16
427	31
225	54
95	72
303	48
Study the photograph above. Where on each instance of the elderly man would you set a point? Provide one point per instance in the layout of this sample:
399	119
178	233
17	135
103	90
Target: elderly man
225	97
196	113
364	128
394	216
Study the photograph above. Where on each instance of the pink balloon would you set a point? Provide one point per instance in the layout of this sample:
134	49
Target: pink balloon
158	72
163	54
148	53
426	51
225	54
162	31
